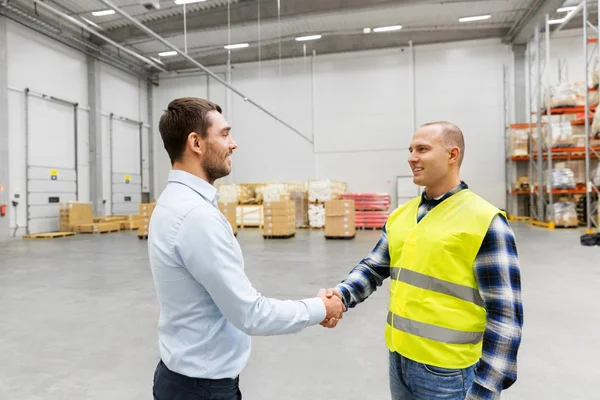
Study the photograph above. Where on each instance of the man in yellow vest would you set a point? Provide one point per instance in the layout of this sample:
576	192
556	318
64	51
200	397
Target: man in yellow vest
455	315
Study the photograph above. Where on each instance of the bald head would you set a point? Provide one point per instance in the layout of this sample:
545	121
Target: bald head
451	136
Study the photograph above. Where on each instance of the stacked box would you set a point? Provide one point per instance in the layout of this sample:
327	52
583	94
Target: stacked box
145	211
99	227
339	218
73	214
279	218
229	211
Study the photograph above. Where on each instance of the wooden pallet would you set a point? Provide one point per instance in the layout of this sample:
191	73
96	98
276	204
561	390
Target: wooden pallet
49	235
145	237
340	237
279	236
369	228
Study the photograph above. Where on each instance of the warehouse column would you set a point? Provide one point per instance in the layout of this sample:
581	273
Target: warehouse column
519	51
95	136
151	135
4	204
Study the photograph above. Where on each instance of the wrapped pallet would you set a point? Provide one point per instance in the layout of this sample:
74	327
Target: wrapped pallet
228	193
316	215
324	190
563	214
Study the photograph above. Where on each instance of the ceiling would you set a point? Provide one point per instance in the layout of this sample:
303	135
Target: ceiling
271	26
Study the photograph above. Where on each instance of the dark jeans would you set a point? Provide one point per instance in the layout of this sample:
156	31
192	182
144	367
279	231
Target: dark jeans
410	380
169	385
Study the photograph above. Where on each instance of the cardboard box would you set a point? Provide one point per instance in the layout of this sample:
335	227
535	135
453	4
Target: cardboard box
228	210
285	197
279	208
340	226
339	208
99	227
280	218
73	214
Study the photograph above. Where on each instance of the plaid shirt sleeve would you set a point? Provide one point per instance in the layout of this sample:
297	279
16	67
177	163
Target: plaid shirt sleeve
368	275
499	278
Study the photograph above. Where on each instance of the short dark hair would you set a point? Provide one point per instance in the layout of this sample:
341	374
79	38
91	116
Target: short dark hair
452	136
182	117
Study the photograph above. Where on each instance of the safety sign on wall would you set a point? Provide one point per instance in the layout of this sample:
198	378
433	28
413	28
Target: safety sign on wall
53	174
127	179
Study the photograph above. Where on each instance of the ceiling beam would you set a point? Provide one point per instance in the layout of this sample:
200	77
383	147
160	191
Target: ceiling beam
524	28
338	44
245	12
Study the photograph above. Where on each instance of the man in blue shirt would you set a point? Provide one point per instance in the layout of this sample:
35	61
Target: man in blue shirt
209	308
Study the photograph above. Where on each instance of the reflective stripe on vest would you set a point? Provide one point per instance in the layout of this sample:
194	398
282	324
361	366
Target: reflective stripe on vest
436	285
437	333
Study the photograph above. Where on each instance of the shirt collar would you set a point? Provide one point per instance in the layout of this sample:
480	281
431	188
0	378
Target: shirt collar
199	185
438	200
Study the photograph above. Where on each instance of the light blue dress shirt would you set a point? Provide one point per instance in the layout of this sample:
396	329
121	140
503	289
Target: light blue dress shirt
208	307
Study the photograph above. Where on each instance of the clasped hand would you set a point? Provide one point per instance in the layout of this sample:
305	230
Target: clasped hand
333	305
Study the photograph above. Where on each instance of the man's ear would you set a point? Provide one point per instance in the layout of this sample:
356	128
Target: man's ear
454	155
195	143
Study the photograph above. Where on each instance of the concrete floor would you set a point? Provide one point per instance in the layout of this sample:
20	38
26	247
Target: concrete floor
78	320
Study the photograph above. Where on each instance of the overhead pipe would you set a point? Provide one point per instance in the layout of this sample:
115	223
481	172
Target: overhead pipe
202	67
92	31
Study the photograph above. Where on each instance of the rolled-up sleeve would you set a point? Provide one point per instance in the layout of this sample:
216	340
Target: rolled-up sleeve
208	250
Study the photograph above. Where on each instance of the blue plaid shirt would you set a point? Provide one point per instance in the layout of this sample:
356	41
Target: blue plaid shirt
498	275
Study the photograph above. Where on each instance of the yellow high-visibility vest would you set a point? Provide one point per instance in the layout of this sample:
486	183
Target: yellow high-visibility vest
436	315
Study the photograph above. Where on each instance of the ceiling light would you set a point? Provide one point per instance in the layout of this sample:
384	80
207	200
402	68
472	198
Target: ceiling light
167	54
103	13
556	21
566	9
236	46
95	25
188	1
367	30
475	18
388	28
305	38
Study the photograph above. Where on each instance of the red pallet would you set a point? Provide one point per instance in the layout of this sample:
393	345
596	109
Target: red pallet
369	201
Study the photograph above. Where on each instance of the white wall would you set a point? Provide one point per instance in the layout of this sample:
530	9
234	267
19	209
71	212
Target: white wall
44	66
361	112
50	68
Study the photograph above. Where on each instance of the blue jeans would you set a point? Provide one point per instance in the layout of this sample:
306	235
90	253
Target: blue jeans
169	385
410	380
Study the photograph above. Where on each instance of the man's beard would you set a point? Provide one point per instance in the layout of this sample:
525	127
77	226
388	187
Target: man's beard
215	166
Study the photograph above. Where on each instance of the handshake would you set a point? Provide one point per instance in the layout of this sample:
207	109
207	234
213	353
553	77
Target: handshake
333	305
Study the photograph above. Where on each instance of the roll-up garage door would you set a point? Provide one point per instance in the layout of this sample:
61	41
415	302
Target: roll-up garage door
51	159
126	164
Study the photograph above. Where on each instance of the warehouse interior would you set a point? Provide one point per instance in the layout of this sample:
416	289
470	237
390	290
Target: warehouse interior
323	98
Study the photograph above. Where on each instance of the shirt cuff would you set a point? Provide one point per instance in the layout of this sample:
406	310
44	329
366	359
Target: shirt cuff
345	294
316	310
478	392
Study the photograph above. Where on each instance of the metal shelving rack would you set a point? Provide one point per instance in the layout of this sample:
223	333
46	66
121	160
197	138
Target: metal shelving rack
540	158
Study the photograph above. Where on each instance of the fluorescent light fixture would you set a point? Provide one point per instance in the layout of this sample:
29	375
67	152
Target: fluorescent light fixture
188	1
167	54
388	28
556	21
566	9
367	30
103	13
236	46
311	37
475	18
95	25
